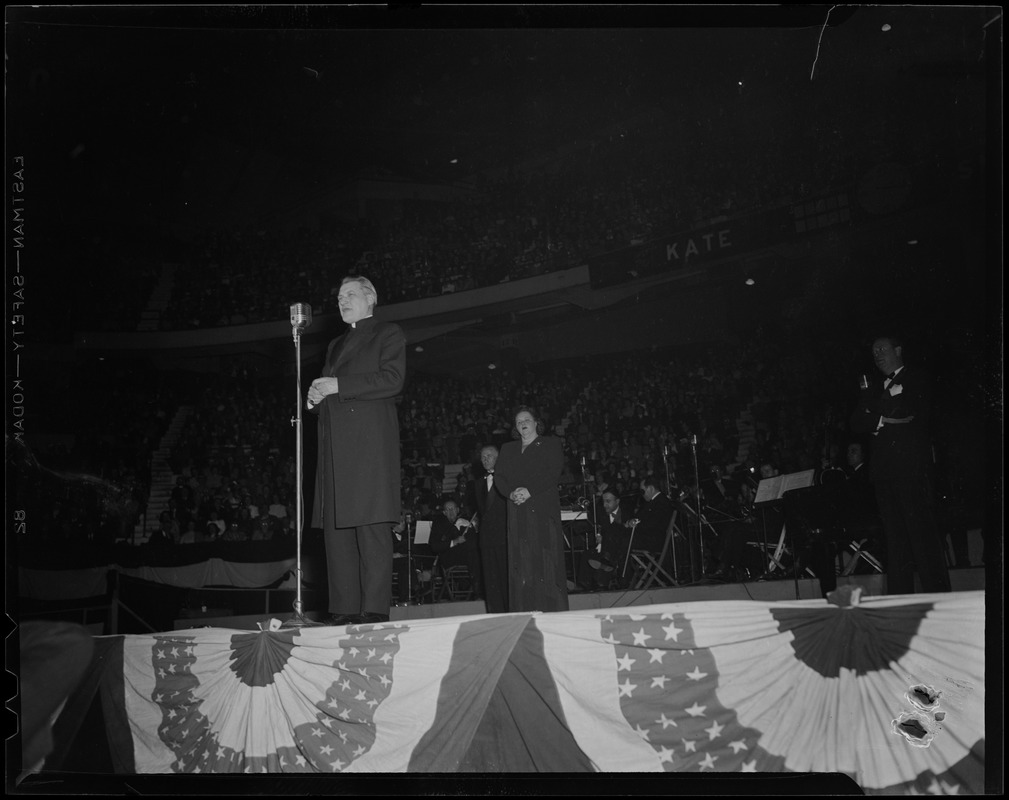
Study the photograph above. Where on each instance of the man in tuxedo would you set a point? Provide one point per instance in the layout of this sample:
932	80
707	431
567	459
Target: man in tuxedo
454	541
492	516
653	517
357	481
599	566
613	531
897	416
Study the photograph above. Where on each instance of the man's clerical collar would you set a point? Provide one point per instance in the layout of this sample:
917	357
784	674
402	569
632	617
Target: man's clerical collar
354	324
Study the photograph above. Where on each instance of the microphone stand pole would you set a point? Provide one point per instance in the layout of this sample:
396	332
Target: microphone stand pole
409	560
672	525
298	619
591	498
700	516
767	548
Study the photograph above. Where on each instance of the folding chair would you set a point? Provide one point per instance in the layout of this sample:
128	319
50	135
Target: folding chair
781	550
427	584
647	567
858	548
456	583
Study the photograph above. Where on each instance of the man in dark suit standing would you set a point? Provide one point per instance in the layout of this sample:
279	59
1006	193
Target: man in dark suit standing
492	519
454	541
357	483
897	416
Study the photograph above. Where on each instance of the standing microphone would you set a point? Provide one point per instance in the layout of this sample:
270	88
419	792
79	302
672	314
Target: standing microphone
301	315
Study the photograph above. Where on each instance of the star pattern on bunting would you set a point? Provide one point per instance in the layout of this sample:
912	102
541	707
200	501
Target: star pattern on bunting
667	687
343	729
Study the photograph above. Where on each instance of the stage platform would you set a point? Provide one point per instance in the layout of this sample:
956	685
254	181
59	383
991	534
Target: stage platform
969	579
884	692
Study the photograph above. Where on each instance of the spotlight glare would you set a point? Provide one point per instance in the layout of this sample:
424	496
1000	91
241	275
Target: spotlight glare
492	366
750	281
886	27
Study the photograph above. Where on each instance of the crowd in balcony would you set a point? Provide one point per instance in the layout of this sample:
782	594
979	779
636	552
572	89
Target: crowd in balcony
608	192
87	484
629	415
737	405
620	413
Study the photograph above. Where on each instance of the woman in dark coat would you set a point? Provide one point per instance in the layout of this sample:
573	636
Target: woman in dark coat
527	473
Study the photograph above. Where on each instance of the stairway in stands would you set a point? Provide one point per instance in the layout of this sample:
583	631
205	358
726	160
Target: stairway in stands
150	318
451	479
162	478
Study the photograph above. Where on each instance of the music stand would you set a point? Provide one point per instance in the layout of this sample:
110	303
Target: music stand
669	491
422	531
407	524
770	490
422	535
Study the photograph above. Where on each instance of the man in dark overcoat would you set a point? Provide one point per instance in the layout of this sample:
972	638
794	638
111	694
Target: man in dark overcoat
357	485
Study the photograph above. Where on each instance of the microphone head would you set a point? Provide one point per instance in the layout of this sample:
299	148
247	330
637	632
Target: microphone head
301	315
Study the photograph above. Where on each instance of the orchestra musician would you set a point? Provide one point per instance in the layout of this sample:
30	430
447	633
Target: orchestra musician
602	565
653	517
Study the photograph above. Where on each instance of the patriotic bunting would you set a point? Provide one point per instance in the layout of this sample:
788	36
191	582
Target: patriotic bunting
889	692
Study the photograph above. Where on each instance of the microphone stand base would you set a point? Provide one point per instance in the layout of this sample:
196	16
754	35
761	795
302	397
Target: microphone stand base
299	620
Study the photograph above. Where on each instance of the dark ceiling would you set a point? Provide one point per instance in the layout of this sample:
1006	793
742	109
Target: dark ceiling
113	107
441	93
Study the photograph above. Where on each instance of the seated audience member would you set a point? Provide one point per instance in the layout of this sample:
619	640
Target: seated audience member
159	538
261	530
277	509
211	531
168	523
234	533
189	535
217	524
